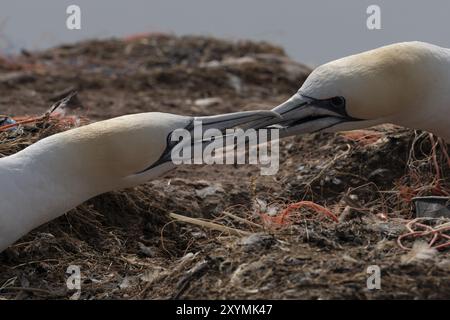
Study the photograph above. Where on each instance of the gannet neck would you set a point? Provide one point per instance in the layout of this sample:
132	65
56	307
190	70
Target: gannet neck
57	173
31	190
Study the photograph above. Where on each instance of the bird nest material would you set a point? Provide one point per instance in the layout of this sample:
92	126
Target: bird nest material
219	232
438	230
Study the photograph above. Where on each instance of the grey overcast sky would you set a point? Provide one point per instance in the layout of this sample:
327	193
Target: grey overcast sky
311	31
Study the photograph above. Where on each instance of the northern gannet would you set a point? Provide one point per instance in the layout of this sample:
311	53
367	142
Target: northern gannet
54	175
406	84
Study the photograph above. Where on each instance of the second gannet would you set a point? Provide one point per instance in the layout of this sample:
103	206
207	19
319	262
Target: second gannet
406	84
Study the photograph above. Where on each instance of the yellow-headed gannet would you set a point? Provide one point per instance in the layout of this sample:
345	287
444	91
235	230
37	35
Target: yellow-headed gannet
57	173
406	84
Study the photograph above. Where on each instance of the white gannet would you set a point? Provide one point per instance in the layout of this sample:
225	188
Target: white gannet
406	84
54	175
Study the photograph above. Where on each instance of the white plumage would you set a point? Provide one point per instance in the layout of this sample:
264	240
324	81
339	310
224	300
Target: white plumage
407	84
56	174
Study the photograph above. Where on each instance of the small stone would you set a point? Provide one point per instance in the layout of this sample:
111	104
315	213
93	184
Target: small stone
208	102
209	191
257	241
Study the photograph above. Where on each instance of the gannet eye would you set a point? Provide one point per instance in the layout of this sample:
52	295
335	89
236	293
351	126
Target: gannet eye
338	102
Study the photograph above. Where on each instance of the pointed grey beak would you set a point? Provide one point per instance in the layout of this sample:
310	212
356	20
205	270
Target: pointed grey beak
302	114
236	119
220	122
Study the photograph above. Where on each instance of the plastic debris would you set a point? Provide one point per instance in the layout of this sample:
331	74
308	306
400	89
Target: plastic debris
432	207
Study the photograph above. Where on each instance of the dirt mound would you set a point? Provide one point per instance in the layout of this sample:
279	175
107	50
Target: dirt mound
132	244
151	73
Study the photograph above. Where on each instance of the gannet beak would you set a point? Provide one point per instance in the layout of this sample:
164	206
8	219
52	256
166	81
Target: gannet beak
236	119
302	114
220	122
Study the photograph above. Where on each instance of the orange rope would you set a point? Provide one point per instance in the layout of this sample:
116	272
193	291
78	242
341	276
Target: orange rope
281	217
68	120
363	137
445	151
20	122
437	188
436	233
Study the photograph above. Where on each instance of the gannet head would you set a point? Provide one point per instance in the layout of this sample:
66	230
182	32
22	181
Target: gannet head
399	83
124	151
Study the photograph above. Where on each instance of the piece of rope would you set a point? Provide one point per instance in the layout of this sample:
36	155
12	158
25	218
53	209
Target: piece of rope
282	218
418	229
51	113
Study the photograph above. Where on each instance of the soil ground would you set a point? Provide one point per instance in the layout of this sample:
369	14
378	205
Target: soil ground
127	245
